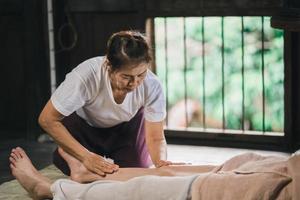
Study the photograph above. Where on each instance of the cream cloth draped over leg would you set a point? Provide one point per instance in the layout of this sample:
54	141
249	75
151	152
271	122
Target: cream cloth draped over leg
145	187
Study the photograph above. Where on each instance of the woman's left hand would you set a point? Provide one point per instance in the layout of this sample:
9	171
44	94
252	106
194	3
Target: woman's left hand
162	163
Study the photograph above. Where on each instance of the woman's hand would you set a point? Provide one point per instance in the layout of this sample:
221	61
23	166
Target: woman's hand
98	164
162	163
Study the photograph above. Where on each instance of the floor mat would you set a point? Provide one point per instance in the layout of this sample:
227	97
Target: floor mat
12	190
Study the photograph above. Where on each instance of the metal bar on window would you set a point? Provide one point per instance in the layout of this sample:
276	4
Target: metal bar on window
166	69
223	73
263	70
185	71
203	72
243	73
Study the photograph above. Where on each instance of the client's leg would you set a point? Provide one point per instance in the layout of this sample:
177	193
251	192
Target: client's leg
78	171
22	169
80	174
38	186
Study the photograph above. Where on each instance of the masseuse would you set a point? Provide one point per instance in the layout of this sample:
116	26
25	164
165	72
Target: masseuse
110	107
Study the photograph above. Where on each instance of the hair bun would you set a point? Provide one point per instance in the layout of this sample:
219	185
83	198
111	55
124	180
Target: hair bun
127	47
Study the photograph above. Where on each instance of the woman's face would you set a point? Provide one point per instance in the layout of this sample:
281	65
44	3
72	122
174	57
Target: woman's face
129	78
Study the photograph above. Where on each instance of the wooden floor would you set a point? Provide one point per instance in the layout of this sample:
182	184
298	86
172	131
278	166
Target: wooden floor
41	154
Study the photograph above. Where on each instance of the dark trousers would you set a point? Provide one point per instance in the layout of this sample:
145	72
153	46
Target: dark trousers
124	143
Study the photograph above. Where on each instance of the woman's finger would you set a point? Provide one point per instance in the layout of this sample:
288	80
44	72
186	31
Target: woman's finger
105	164
107	170
99	172
110	165
162	163
159	164
105	167
116	167
180	163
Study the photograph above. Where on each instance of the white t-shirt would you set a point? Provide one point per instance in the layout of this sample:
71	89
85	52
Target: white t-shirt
87	90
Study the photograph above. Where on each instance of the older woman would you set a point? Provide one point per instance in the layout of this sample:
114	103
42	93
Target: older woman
111	106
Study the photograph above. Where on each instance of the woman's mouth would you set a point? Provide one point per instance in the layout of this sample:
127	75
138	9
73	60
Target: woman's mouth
129	88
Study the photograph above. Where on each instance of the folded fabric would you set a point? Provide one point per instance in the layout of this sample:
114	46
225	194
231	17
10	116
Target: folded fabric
145	187
293	166
236	186
249	177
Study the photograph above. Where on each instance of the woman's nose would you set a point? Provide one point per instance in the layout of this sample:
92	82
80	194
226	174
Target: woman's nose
133	81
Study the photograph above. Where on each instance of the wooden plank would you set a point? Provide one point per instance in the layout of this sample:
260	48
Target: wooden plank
36	67
212	7
226	140
293	3
11	7
103	6
287	23
12	81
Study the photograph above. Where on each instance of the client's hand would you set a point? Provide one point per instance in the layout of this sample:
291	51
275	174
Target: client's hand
98	164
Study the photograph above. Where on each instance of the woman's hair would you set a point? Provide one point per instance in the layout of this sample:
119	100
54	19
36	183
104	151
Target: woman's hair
126	48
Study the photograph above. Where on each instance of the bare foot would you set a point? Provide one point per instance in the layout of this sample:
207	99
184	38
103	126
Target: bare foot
79	172
27	175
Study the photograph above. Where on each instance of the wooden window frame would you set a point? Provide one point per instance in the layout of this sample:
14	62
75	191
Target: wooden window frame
287	143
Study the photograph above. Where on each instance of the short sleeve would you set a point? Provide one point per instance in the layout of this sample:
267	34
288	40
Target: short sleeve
155	107
70	95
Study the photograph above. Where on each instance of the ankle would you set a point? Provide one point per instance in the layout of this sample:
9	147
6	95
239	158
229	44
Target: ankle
76	177
42	191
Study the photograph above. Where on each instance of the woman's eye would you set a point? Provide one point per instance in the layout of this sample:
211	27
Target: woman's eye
142	75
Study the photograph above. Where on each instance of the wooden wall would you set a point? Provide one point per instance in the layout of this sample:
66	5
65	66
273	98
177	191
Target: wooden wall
24	67
212	7
94	22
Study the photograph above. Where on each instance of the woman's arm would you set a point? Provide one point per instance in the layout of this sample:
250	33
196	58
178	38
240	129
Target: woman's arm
156	143
50	121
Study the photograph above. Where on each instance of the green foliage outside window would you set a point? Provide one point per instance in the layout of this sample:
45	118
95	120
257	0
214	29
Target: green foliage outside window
253	84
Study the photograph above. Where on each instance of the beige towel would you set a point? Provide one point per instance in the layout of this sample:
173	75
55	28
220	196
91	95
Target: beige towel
248	177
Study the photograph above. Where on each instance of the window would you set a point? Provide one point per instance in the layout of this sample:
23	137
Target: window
221	74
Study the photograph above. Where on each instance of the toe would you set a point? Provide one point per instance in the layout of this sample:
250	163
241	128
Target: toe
12	160
61	151
13	169
18	153
12	166
14	155
22	152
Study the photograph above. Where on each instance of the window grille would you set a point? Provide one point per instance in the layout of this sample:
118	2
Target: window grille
221	74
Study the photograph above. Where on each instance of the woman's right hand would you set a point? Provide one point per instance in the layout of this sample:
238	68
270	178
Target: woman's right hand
99	165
